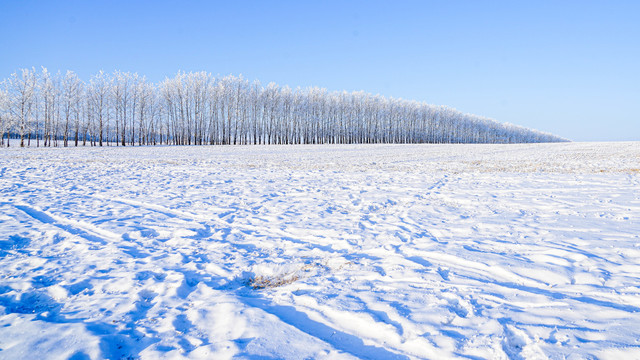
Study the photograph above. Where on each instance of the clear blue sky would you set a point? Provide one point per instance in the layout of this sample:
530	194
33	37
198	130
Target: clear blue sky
571	68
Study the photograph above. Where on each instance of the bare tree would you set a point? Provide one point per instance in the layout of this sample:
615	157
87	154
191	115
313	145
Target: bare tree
99	94
71	98
5	123
196	108
22	88
121	91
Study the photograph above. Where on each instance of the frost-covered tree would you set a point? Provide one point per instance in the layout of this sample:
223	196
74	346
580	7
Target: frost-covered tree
197	108
5	124
49	107
71	105
121	92
22	91
99	94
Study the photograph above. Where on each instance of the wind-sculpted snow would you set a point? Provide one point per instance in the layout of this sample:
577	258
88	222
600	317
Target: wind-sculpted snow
325	252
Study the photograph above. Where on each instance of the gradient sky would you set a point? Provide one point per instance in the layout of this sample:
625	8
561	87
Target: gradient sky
571	68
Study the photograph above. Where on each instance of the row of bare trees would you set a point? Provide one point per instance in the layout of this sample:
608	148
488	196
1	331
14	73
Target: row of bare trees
44	109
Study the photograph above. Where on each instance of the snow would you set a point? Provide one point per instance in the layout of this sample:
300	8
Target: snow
328	252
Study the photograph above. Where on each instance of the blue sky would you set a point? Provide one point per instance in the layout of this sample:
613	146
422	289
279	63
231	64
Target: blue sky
571	68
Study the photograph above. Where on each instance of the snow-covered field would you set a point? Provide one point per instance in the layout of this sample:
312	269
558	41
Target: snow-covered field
323	252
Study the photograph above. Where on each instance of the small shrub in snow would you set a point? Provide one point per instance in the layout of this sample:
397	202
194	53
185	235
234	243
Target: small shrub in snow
265	282
279	278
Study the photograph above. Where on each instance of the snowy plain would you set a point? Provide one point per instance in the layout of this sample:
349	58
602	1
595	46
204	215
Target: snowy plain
323	252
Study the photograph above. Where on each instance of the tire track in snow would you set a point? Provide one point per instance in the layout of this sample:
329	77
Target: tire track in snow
127	339
70	227
85	230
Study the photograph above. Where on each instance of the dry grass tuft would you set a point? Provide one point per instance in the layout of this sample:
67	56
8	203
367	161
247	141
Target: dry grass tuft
268	282
258	282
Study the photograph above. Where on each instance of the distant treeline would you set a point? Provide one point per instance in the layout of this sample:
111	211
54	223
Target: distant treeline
44	109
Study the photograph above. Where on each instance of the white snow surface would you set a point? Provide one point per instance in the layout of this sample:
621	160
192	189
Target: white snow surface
364	251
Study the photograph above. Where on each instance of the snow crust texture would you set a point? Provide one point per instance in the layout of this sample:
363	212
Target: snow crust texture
322	252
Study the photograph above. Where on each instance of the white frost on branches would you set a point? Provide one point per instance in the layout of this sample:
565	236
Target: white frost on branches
197	108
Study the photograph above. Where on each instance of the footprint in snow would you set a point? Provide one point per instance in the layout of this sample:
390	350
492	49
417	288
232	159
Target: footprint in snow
519	346
444	273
